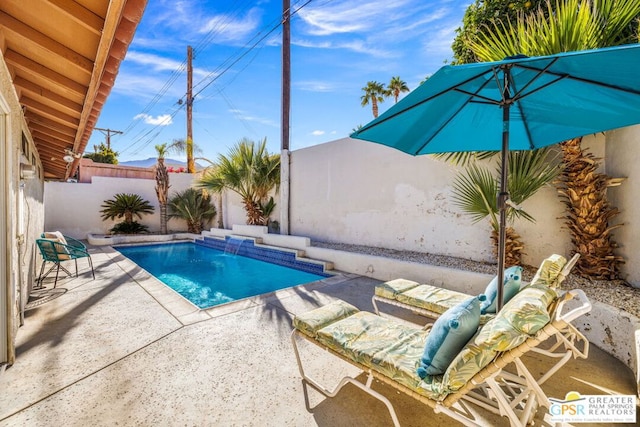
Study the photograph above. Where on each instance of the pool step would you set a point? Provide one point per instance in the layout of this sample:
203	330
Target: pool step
253	248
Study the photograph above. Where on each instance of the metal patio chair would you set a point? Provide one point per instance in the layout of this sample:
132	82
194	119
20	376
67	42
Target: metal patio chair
57	252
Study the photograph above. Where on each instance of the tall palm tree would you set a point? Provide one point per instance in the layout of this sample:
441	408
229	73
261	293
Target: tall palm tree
397	86
251	172
475	191
572	25
162	185
374	92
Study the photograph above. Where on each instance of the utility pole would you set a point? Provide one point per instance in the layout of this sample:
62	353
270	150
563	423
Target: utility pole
108	133
285	119
191	167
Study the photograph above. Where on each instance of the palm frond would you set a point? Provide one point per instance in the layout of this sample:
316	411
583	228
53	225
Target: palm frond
463	158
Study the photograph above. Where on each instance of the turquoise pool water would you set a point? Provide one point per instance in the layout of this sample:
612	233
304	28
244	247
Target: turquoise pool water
209	277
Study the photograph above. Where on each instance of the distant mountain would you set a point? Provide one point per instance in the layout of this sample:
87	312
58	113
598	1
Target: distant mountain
151	161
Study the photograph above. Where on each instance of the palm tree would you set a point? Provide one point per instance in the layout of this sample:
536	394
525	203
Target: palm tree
162	185
574	25
126	205
251	172
194	206
396	87
475	193
374	92
189	148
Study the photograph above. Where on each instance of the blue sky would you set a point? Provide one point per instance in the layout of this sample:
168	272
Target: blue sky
337	47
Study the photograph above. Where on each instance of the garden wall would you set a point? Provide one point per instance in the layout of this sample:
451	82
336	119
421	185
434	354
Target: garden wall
74	208
352	191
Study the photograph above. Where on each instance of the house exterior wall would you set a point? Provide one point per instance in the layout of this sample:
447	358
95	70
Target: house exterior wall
21	207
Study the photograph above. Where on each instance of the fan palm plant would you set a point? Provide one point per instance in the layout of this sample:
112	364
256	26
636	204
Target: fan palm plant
127	206
474	191
571	25
374	93
194	206
251	172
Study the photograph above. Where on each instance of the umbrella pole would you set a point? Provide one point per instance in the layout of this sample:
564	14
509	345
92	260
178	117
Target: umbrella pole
503	196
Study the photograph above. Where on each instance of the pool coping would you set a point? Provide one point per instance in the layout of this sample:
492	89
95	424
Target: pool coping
188	313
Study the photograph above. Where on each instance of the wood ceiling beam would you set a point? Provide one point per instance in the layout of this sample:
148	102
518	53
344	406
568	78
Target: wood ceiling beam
33	118
31	39
28	66
49	112
36	90
50	132
80	14
52	139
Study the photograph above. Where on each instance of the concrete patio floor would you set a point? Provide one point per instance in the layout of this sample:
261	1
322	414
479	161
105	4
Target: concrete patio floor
125	350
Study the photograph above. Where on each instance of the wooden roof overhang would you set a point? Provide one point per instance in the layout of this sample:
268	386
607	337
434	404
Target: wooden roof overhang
63	57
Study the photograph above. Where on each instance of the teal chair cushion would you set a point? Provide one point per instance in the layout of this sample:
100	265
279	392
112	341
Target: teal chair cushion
449	334
512	282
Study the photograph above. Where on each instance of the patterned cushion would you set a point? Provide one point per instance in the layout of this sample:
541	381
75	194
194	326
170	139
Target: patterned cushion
363	335
471	360
549	272
521	317
432	298
448	336
383	345
314	320
512	282
394	287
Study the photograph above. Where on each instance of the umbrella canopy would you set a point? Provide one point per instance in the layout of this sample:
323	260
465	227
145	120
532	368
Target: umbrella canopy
519	103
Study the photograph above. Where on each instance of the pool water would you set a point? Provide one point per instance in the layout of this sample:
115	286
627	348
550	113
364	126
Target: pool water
208	277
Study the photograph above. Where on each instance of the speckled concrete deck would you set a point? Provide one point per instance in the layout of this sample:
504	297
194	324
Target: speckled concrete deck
125	350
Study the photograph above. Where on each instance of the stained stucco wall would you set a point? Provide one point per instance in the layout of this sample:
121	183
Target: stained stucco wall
351	191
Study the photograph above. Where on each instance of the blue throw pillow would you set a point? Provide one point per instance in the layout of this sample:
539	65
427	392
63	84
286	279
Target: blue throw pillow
449	334
512	282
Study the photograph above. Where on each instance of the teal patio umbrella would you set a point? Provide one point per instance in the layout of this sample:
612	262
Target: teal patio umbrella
520	103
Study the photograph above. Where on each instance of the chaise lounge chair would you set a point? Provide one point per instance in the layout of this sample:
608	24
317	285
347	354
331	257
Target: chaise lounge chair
390	351
432	301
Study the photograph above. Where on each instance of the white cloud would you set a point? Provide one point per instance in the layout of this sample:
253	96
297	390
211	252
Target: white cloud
241	115
162	120
350	17
227	28
315	86
160	63
318	133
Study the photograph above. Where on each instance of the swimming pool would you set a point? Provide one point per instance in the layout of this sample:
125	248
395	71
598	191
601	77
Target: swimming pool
208	277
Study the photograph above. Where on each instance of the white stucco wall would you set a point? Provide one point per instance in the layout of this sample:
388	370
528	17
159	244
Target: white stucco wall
74	208
623	158
352	191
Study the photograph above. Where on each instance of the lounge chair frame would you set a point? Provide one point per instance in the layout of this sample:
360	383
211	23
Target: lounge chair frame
435	314
516	396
